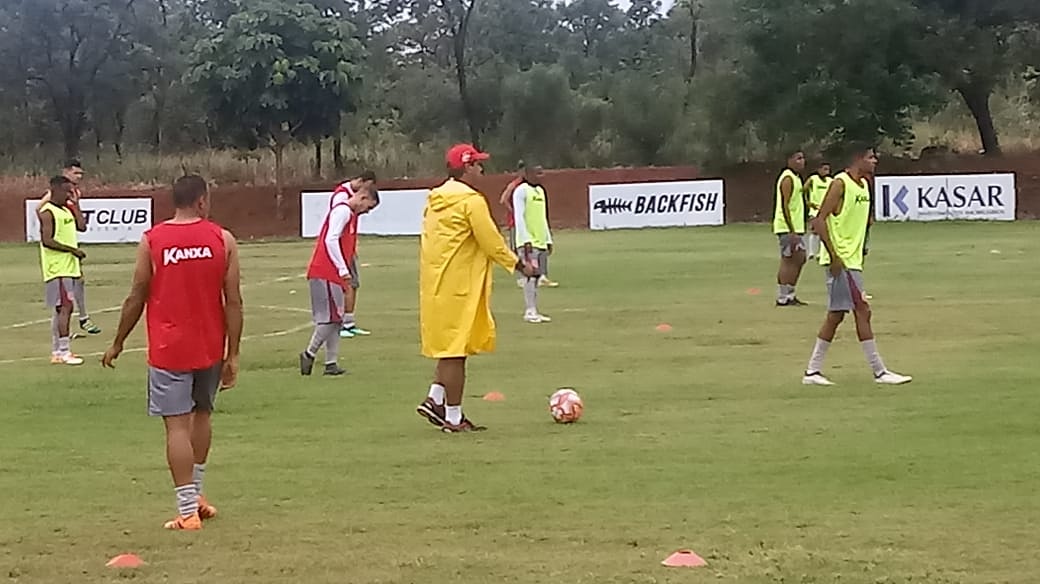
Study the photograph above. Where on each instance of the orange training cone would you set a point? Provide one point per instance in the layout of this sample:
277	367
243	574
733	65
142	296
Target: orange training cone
684	559
664	328
125	561
494	396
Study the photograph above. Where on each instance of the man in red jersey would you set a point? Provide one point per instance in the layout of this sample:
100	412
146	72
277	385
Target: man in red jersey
187	274
329	275
364	181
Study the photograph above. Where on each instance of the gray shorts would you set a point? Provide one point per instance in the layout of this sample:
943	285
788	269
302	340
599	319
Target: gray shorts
540	255
787	249
845	292
175	393
355	280
327	301
60	291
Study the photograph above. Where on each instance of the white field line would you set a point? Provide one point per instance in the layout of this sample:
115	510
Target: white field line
29	323
281	333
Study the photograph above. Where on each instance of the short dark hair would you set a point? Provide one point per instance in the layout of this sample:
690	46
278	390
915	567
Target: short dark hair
367	176
187	190
373	193
57	181
73	163
854	150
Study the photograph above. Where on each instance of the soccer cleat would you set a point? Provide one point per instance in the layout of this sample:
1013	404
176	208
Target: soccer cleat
544	282
66	359
535	318
433	413
334	370
180	523
791	302
464	426
890	378
206	511
815	379
345	334
357	331
306	363
89	327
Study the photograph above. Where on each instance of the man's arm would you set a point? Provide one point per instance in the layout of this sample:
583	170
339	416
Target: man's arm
47	234
487	235
81	221
523	238
233	312
548	226
339	216
506	197
134	304
832	201
786	191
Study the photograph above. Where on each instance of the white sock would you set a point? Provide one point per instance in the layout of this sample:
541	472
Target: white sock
453	414
197	473
531	296
63	345
818	353
873	357
348	320
187	499
436	393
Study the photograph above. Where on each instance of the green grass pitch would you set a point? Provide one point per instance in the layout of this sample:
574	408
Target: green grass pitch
700	438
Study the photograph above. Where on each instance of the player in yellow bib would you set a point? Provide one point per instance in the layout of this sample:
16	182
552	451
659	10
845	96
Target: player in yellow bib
789	227
532	236
815	189
842	226
60	262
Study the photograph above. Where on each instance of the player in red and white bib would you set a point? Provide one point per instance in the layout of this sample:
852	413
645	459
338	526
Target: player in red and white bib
350	329
330	276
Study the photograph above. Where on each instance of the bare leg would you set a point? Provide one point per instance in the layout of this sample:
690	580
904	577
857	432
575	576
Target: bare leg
180	458
830	326
201	436
451	373
179	453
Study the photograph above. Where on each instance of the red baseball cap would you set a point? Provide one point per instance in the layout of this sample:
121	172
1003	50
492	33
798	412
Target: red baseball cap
460	155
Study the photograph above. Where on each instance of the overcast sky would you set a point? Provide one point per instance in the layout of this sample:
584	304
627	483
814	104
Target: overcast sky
665	4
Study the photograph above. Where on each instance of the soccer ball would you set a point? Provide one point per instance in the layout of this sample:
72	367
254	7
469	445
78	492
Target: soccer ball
565	406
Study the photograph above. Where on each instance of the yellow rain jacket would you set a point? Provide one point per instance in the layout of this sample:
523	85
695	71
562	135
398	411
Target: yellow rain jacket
458	245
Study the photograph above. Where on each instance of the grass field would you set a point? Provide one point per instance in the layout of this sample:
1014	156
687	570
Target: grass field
699	438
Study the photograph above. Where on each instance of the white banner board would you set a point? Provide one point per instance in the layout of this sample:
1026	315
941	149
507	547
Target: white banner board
937	197
108	220
657	204
399	213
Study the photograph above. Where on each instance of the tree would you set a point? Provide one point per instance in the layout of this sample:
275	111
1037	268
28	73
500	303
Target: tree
276	72
815	78
62	48
439	23
969	44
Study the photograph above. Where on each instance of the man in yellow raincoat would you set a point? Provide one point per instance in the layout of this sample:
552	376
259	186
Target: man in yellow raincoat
459	245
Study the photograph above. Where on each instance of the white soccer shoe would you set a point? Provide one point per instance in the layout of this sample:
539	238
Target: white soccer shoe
535	318
816	379
66	359
890	378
